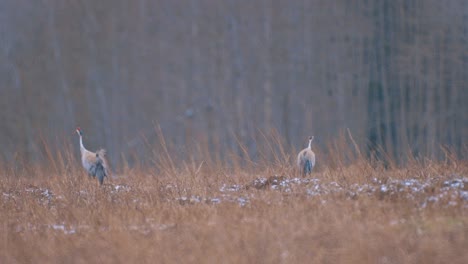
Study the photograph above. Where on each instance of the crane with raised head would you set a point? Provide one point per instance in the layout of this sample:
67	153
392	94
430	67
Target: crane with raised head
306	159
95	163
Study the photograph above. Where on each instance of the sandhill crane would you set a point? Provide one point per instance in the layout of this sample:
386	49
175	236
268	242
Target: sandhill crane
95	163
306	159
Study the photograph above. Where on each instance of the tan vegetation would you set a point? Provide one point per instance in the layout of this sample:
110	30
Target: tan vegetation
211	184
349	210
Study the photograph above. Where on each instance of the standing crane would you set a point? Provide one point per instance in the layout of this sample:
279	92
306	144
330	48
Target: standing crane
95	163
306	159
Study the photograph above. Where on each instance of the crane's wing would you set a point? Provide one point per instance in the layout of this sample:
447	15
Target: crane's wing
98	169
308	167
101	154
100	172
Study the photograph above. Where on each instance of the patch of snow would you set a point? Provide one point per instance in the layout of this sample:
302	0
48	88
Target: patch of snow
195	199
46	193
383	188
67	231
260	180
311	192
452	203
456	183
170	186
296	180
242	201
121	188
231	188
284	183
215	200
464	195
409	182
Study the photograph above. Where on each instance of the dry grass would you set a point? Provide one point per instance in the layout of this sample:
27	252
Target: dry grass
202	211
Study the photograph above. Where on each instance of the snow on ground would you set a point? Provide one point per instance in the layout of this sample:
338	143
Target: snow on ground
423	193
450	192
145	228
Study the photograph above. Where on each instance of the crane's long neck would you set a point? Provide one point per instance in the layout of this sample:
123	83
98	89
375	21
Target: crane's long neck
310	144
82	148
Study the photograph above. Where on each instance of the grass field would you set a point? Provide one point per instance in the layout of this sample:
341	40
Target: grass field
203	212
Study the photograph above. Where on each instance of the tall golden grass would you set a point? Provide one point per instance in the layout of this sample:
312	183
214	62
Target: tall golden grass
198	208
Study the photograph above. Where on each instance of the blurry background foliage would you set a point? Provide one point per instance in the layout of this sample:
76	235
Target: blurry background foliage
214	73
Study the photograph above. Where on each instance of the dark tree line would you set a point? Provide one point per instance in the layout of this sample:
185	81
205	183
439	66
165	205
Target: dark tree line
218	72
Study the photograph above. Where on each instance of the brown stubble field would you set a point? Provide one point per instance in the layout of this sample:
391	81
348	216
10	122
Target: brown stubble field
209	212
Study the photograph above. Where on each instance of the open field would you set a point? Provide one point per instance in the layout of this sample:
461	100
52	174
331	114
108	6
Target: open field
207	213
203	107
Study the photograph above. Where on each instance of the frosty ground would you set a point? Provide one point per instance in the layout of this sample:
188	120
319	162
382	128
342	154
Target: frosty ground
354	214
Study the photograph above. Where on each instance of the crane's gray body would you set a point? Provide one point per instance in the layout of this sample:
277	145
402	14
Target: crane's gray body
98	170
306	159
94	163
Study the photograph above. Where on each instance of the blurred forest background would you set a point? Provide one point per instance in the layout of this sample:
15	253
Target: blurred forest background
219	72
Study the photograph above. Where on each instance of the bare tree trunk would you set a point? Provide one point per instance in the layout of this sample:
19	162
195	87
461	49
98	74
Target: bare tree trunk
60	70
94	80
267	83
237	76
